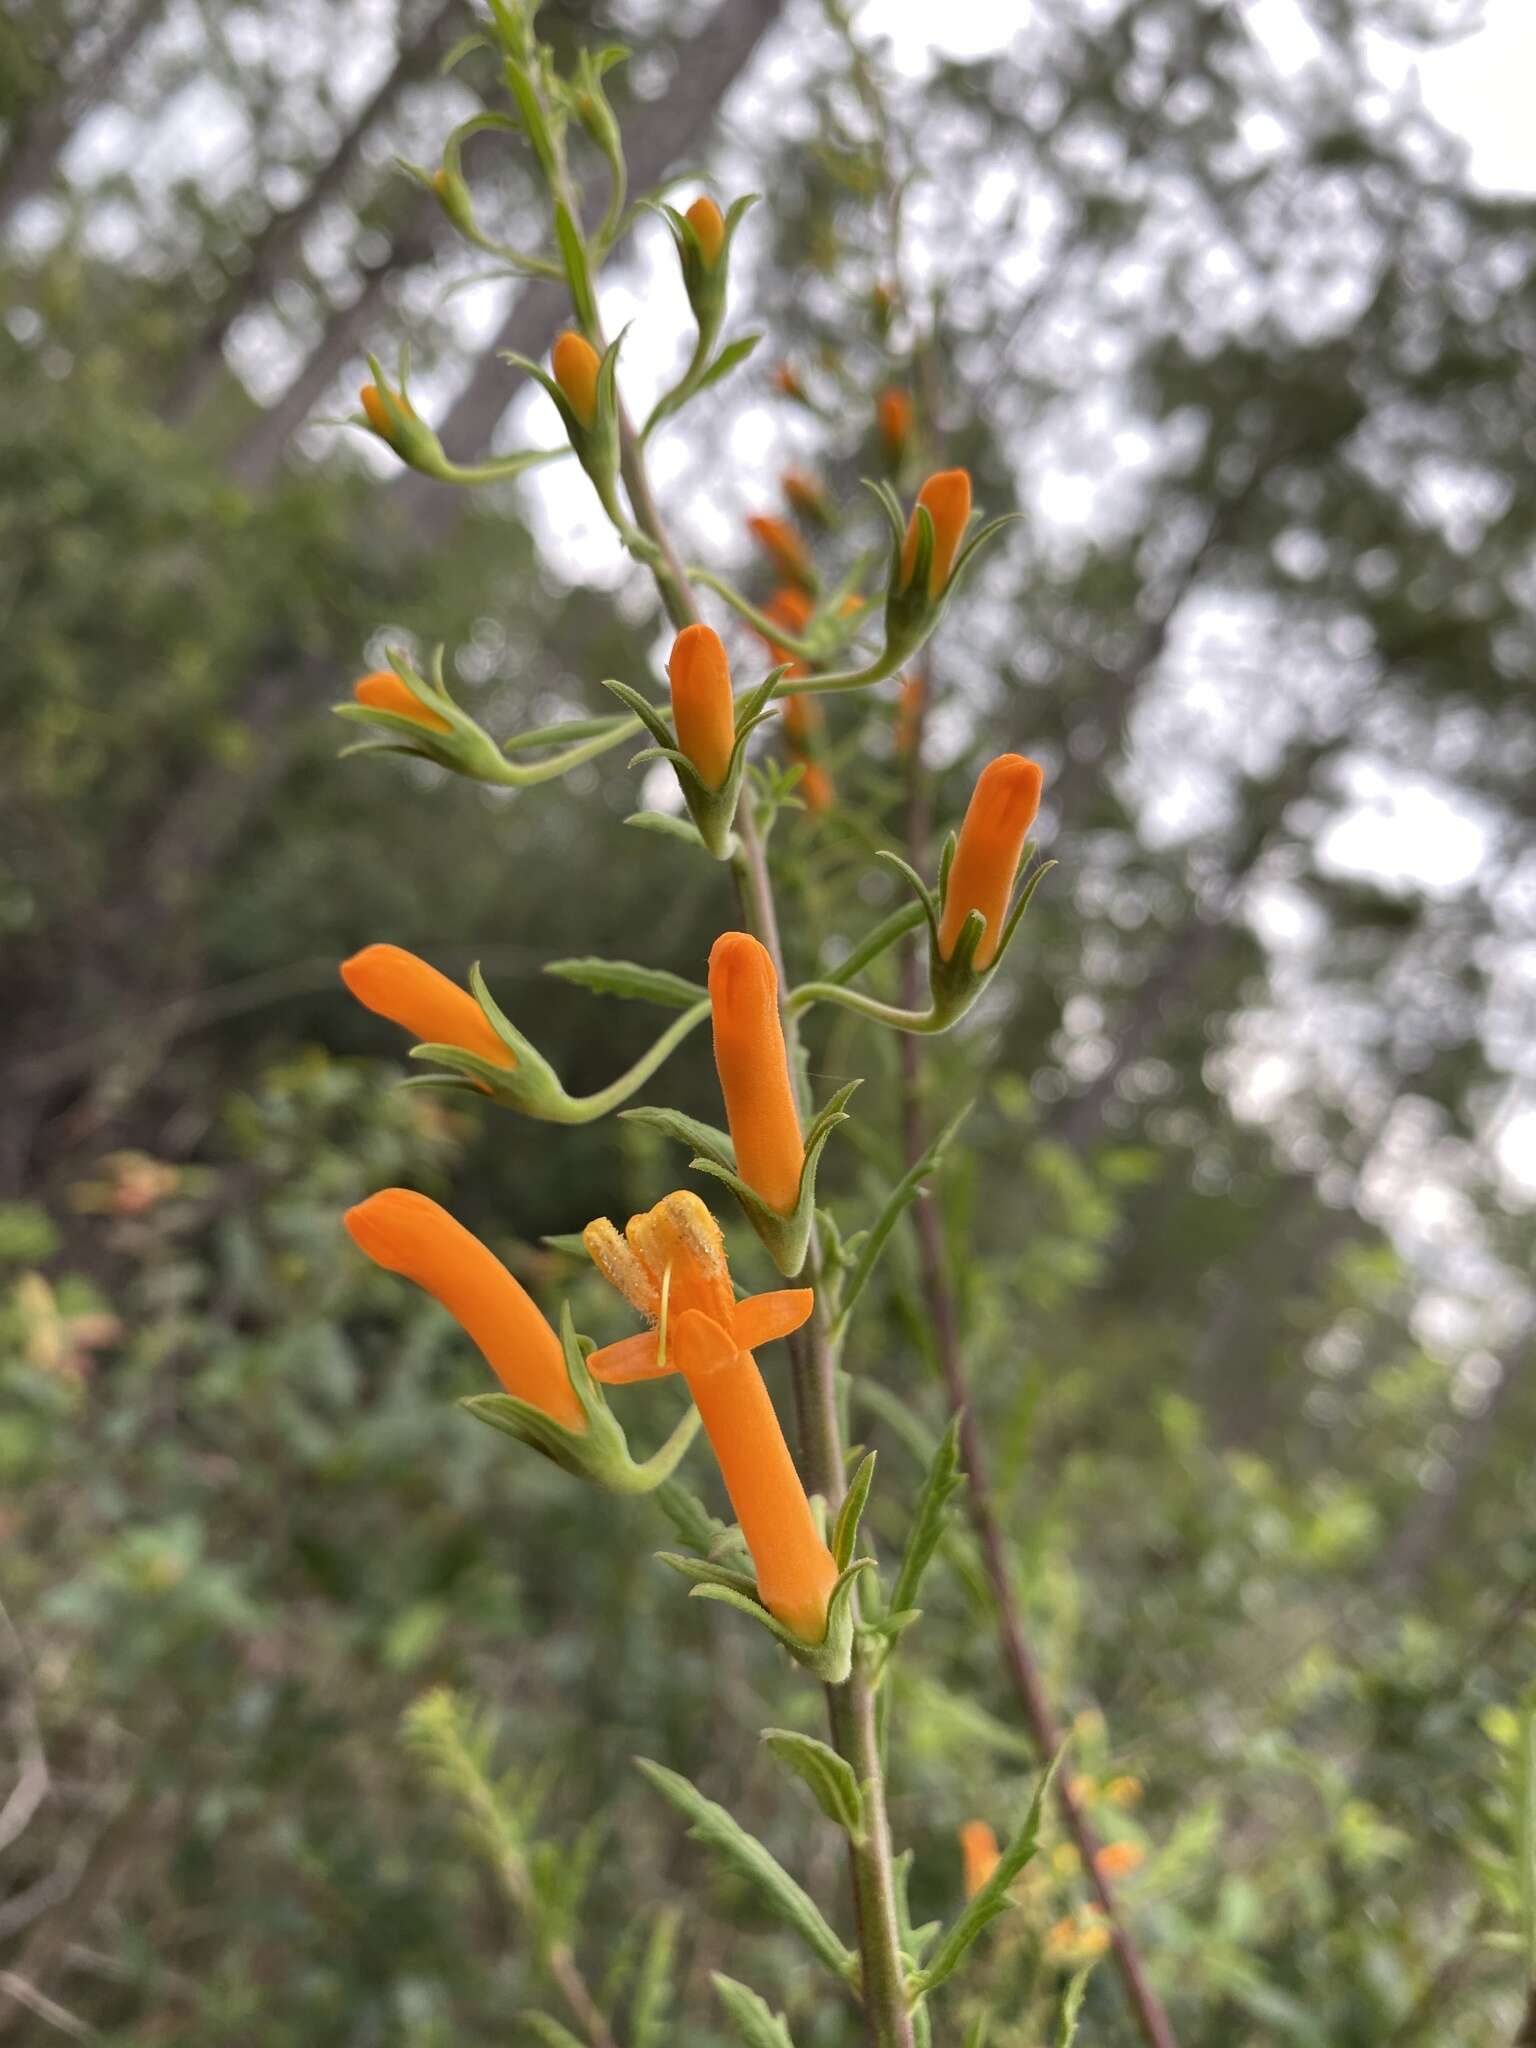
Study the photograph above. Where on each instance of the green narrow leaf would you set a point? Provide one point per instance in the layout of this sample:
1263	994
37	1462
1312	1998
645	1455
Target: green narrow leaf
830	1777
992	1899
897	1202
846	1532
1071	2008
653	1986
626	978
730	358
745	1854
929	1517
685	1130
668	826
550	2031
573	254
754	2021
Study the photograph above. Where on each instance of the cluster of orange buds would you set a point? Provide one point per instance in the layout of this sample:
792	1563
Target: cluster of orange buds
670	1266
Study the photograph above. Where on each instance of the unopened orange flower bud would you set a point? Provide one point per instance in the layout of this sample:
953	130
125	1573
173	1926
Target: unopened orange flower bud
1003	806
909	714
702	709
406	1233
815	787
1119	1859
783	547
787	382
373	406
710	1335
978	1846
893	413
707	222
576	363
384	691
947	495
804	495
435	1010
754	1069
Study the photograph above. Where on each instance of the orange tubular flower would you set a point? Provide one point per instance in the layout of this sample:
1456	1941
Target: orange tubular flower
754	1069
783	547
435	1010
707	222
406	1233
997	821
384	691
1119	1859
816	787
575	363
978	1846
893	414
947	495
671	1262
909	715
702	709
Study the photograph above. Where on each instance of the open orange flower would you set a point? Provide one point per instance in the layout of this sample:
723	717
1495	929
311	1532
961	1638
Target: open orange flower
670	1266
575	363
978	1846
708	223
435	1010
406	1233
384	691
754	1069
997	820
783	547
947	496
702	710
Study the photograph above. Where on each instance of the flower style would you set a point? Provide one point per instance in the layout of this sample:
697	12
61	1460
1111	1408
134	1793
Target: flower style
754	1069
978	1847
947	498
384	691
670	1266
1003	806
702	707
576	364
435	1010
408	1234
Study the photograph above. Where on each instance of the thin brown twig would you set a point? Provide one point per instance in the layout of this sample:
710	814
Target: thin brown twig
939	1303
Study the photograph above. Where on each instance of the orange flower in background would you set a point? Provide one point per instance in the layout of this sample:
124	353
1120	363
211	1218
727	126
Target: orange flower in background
702	708
708	223
792	609
1003	806
816	787
802	720
783	547
1119	1859
1078	1941
947	496
804	494
787	383
576	363
406	1233
671	1261
754	1069
978	1846
893	415
435	1010
384	691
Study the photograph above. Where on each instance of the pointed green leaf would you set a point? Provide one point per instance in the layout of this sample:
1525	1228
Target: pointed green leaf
550	2031
829	1776
625	978
669	826
653	1985
932	1512
730	358
742	1853
992	1899
757	2025
686	1130
897	1202
846	1533
1071	2008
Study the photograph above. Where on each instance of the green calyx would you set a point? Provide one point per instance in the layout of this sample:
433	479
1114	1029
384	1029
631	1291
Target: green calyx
786	1234
600	1452
706	283
466	748
594	442
831	1659
713	811
531	1086
414	441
